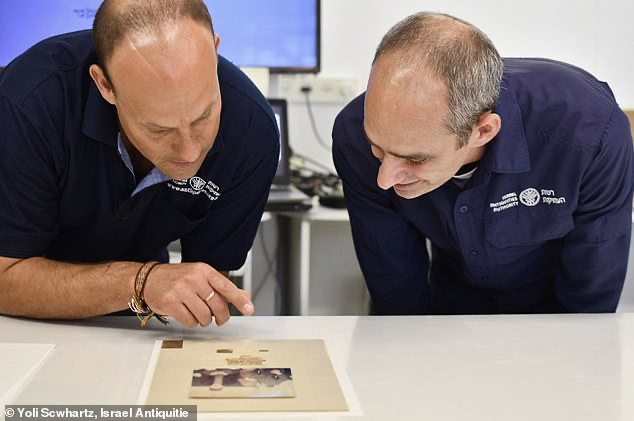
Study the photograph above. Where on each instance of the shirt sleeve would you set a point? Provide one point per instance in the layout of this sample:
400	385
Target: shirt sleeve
226	236
595	253
391	253
28	185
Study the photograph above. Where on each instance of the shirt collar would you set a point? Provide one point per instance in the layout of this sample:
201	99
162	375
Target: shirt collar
155	176
507	152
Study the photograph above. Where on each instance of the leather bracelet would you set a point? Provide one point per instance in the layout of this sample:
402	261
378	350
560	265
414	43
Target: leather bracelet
137	303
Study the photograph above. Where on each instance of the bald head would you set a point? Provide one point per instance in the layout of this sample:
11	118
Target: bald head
117	20
451	51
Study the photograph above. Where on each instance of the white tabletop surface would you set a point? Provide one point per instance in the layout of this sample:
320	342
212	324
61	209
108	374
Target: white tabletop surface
545	367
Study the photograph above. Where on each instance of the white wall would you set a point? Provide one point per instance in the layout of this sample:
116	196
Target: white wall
615	49
595	35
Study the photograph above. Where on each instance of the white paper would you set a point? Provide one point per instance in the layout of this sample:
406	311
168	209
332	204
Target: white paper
18	365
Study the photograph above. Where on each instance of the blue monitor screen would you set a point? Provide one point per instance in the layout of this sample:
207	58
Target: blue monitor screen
280	34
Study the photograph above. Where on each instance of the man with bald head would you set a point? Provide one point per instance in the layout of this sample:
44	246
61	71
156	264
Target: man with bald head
516	172
117	141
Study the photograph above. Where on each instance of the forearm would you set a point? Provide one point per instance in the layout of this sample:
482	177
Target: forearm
48	289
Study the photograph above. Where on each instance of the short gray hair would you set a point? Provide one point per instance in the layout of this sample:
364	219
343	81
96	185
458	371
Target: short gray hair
460	54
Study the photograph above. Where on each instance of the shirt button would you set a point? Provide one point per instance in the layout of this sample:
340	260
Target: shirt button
464	209
473	253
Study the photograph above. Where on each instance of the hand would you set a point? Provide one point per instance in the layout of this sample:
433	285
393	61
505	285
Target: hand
180	291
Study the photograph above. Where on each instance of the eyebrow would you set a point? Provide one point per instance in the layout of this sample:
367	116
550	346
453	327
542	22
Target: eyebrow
412	157
204	115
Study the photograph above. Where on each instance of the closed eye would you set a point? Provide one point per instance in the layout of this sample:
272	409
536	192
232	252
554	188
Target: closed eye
157	130
416	162
201	120
159	133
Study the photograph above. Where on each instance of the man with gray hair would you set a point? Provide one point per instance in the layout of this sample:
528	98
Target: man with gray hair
113	145
517	172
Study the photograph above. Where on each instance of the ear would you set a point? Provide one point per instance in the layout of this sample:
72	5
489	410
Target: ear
105	87
487	127
217	42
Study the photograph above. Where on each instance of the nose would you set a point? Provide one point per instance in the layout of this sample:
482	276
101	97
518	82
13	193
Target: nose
186	147
391	172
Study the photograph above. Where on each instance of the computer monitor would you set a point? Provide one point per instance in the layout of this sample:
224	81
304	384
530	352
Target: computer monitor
282	35
283	173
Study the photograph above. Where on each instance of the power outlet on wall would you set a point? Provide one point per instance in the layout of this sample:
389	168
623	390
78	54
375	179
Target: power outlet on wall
321	89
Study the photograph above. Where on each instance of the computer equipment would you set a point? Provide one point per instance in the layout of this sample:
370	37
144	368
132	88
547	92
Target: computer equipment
282	180
283	195
282	35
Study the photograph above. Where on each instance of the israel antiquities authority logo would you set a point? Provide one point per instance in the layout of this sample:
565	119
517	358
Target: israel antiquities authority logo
529	197
197	183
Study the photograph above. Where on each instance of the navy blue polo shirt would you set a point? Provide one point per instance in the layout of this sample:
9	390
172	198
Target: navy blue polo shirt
62	175
543	225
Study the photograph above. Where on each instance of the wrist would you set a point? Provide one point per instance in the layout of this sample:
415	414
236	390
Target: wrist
137	302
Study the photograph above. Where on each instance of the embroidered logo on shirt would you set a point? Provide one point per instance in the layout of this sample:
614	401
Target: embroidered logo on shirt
197	183
196	186
509	200
548	197
529	197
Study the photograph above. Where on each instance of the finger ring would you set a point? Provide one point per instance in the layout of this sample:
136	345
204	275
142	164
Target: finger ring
210	296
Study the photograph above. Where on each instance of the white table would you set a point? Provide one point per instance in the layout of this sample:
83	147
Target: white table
559	367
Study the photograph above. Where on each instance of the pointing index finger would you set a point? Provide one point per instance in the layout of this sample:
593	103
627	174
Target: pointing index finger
236	296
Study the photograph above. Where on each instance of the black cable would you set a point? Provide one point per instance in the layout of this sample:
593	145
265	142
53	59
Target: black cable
306	90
